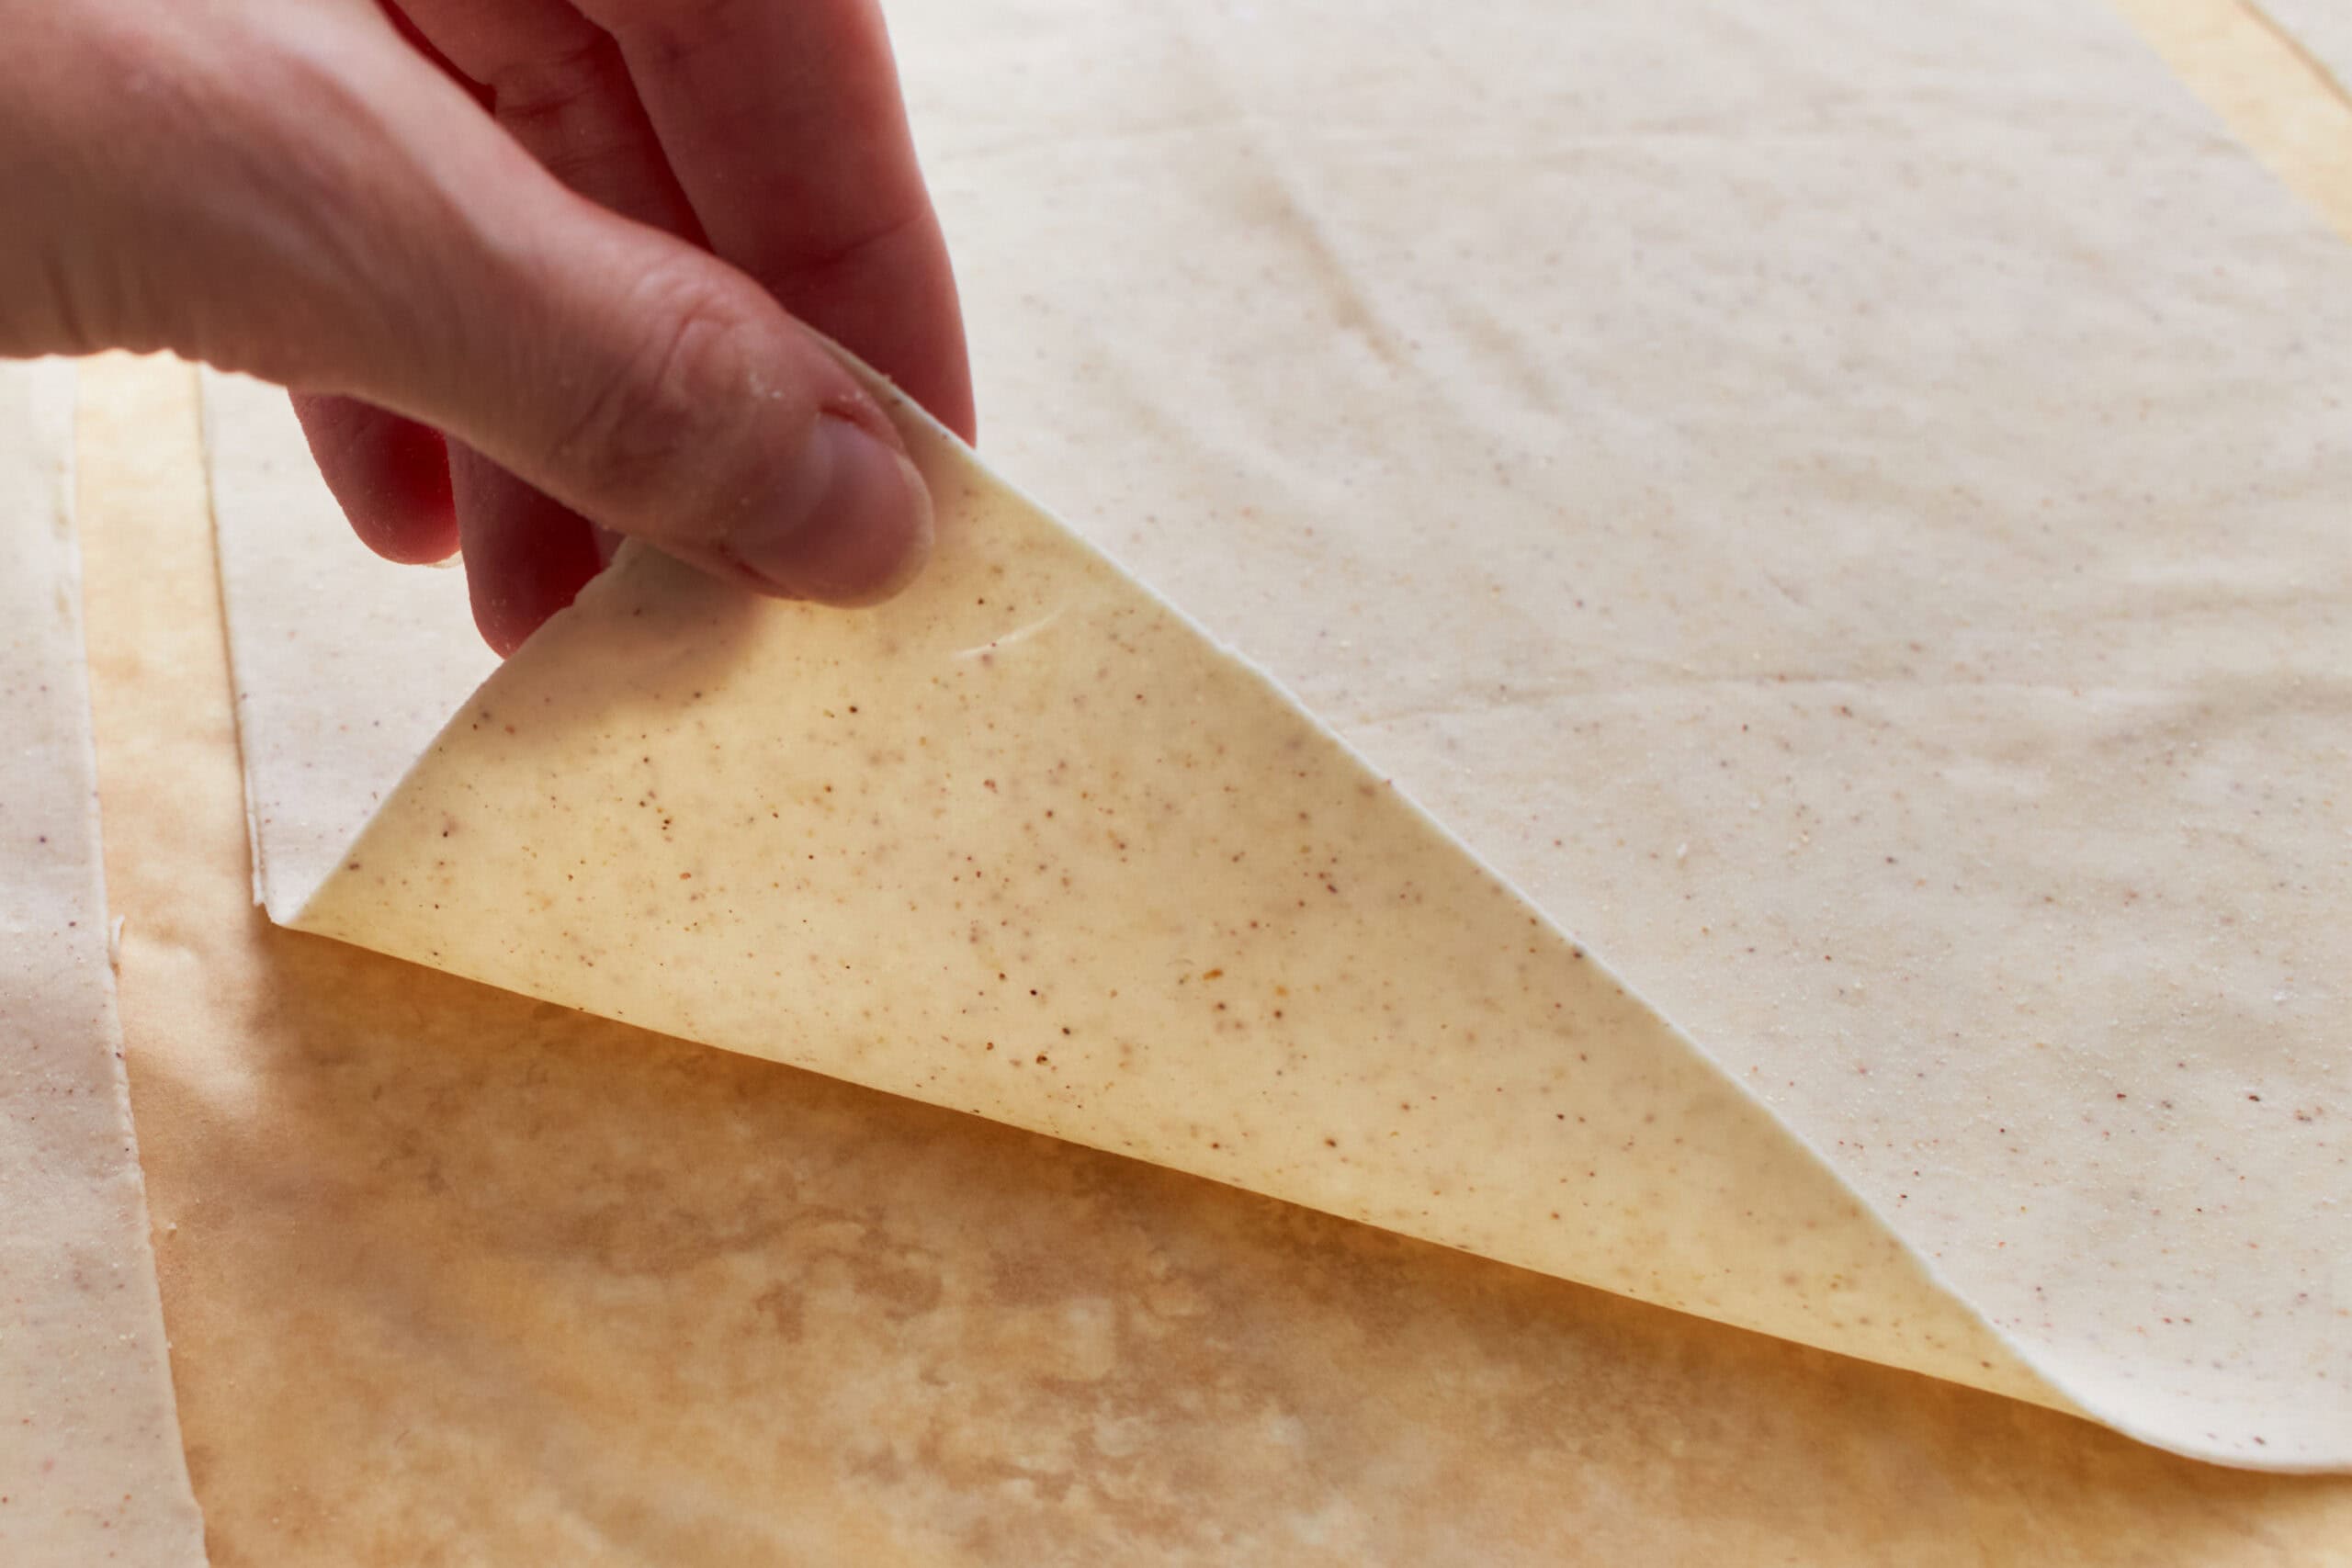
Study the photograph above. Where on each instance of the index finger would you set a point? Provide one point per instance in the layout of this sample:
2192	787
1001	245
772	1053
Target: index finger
783	122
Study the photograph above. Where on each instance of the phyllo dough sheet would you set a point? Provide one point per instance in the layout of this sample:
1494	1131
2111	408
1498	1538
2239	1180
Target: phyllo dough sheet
456	1276
1741	697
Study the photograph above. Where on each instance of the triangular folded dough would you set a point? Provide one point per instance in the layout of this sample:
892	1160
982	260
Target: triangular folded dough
1026	844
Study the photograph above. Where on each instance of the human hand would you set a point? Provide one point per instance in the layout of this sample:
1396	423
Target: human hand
529	265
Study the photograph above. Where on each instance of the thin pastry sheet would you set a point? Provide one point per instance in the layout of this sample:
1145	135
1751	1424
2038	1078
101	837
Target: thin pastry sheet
1848	526
458	1277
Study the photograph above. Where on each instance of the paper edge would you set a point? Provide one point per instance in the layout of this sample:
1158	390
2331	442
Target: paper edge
207	378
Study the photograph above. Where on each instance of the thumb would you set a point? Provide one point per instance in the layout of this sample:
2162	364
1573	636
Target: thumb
659	393
339	216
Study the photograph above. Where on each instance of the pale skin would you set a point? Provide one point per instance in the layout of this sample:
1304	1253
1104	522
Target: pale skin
534	270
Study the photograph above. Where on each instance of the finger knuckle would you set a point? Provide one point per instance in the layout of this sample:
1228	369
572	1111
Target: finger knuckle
676	386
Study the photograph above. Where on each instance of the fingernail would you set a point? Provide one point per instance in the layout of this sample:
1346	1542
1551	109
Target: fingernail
852	526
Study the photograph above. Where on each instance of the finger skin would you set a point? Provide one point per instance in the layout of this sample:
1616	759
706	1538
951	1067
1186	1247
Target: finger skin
784	122
526	556
391	476
295	192
557	84
561	87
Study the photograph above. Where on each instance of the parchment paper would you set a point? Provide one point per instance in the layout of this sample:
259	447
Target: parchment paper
454	1278
1879	579
90	1464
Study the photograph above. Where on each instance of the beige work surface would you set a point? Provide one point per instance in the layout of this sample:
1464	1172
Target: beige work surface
454	1277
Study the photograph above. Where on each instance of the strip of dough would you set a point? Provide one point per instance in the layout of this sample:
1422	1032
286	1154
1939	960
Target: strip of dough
90	1463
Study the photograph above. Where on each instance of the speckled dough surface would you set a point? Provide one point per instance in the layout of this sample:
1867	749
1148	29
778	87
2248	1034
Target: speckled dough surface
1022	843
91	1470
457	1277
1856	537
